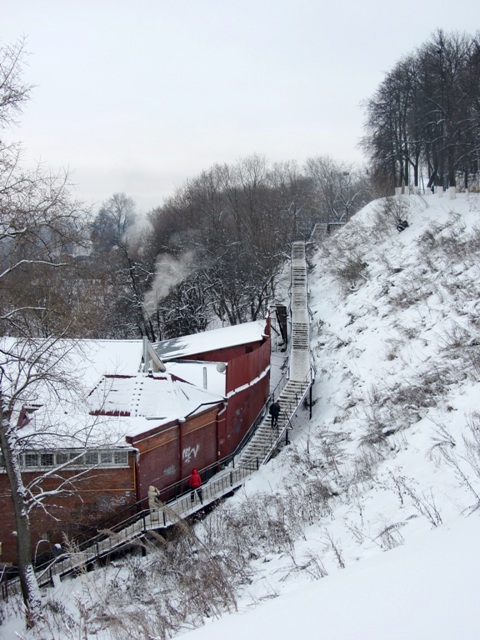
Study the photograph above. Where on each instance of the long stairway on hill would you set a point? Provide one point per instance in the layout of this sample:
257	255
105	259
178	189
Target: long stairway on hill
266	440
257	451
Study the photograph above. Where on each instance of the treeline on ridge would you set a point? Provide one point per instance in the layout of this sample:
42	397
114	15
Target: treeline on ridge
215	249
423	123
213	252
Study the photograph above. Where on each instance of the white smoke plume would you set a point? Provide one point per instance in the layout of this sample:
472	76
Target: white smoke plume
168	273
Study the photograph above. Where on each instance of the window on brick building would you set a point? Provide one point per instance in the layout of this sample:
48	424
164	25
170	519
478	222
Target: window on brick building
91	458
75	458
30	459
47	459
106	457
120	457
62	458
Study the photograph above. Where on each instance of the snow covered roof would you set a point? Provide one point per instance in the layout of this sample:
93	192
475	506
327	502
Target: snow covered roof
107	380
206	375
152	397
118	407
96	358
110	397
89	358
222	338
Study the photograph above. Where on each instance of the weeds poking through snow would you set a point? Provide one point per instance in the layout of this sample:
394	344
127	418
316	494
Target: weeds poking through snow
332	545
465	463
424	503
390	536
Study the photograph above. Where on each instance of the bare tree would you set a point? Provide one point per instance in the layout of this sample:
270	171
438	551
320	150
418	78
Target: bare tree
339	190
13	91
24	366
394	123
231	220
425	116
115	218
39	227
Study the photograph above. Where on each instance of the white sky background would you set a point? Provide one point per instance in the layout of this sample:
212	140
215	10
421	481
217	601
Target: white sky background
139	97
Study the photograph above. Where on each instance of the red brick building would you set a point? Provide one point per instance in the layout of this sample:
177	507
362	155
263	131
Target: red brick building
154	413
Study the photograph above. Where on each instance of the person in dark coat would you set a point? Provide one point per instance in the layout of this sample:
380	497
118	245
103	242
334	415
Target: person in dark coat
274	412
195	483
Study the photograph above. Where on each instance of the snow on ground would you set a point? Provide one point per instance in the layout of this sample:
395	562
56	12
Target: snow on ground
366	525
426	590
395	335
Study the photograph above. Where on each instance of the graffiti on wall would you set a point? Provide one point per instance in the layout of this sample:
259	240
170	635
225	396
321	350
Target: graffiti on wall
107	503
190	452
170	471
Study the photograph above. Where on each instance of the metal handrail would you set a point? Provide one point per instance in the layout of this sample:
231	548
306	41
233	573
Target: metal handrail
116	532
135	527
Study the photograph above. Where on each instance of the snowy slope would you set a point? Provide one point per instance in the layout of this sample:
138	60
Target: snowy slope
395	437
366	525
426	590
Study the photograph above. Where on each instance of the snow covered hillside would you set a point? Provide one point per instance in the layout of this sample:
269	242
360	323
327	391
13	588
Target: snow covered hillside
394	442
366	525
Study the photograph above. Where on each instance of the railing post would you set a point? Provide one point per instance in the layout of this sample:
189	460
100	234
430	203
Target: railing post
311	401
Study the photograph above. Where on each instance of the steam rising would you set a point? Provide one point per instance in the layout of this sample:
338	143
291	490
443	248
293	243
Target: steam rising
168	273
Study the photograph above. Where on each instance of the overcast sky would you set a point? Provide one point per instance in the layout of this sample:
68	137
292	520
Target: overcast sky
137	97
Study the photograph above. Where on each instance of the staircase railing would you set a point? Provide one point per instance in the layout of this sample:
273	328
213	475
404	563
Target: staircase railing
221	477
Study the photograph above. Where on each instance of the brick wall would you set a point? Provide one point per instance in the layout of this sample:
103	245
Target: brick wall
100	494
169	454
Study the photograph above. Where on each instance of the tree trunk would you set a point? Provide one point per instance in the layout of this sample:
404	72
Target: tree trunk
452	179
29	585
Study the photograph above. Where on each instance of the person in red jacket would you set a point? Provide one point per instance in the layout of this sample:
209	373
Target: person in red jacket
195	483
